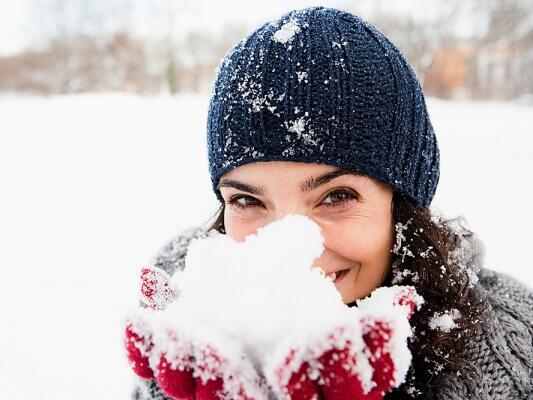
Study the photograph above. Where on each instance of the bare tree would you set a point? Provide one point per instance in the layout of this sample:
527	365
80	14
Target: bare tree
74	29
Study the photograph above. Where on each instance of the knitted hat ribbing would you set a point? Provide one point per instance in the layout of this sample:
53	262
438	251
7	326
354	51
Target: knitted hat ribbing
321	85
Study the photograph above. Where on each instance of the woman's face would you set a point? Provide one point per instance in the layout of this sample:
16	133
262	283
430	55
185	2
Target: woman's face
353	211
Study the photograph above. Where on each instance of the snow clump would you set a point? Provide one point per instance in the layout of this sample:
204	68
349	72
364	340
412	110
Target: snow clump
286	33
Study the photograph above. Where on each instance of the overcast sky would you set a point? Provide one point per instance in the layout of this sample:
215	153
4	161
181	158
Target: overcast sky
19	20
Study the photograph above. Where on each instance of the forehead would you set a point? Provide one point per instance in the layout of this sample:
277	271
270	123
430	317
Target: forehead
287	169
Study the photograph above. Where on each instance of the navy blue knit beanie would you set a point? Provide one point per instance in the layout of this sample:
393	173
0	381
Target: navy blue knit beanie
321	85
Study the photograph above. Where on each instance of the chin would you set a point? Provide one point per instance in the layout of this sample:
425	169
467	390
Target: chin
349	300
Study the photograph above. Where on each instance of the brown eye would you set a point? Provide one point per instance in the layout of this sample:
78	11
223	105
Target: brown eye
339	197
243	201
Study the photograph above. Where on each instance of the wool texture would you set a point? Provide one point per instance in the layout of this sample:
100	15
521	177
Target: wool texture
321	85
500	357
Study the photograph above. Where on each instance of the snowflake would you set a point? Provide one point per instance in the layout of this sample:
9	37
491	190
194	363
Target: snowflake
297	126
444	321
399	248
301	75
286	32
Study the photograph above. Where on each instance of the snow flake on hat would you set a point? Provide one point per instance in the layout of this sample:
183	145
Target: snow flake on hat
302	75
252	152
289	151
297	126
286	33
338	45
251	91
302	130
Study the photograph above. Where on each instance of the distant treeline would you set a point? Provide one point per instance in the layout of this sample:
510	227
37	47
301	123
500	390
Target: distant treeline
498	64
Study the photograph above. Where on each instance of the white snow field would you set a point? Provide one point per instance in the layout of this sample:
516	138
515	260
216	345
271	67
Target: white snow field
92	185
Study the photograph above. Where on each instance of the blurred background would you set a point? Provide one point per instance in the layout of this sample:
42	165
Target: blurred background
103	157
469	49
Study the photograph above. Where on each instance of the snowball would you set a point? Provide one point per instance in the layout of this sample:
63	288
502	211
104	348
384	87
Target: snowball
259	289
286	32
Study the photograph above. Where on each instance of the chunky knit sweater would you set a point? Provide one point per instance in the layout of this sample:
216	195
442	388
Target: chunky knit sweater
501	355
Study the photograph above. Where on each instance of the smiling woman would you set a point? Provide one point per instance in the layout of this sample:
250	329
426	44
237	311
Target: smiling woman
319	114
364	223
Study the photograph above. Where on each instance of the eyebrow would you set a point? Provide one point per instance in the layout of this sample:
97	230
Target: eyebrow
306	186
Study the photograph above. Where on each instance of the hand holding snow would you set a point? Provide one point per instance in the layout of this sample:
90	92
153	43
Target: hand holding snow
253	314
258	290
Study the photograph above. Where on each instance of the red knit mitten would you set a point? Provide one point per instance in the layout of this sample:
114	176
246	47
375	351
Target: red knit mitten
156	292
360	359
156	288
193	364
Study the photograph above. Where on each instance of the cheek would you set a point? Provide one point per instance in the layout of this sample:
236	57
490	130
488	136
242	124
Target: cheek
363	241
238	227
370	245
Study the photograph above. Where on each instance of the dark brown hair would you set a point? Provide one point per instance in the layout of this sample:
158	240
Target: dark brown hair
435	256
429	255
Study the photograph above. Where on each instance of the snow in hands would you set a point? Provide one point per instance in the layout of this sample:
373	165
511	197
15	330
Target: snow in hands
256	319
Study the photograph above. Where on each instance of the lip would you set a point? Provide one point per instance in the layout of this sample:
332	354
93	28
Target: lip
340	279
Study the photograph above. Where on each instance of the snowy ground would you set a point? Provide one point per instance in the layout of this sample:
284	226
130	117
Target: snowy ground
93	185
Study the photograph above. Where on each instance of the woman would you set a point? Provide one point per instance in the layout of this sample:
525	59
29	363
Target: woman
318	113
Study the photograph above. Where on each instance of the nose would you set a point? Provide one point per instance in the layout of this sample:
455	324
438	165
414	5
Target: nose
288	210
296	210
